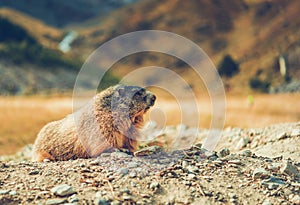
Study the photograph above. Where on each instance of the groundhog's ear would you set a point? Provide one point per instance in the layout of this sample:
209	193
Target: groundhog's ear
121	92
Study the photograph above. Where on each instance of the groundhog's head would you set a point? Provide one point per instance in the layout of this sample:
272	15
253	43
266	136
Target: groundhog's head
131	103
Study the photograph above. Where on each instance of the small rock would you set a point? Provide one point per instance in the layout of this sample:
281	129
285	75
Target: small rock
191	176
13	193
207	193
218	162
115	203
272	186
232	195
272	182
55	201
247	153
274	166
73	198
105	154
295	133
120	155
62	190
132	164
267	202
281	136
127	197
4	192
94	162
288	168
154	185
46	160
223	152
126	191
260	173
296	200
242	143
184	164
148	151
192	169
236	161
132	174
101	201
34	172
124	171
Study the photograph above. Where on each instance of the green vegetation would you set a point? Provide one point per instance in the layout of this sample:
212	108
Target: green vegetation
260	85
10	32
228	67
107	81
18	47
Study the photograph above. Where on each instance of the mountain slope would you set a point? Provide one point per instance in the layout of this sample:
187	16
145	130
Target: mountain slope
46	35
254	33
62	13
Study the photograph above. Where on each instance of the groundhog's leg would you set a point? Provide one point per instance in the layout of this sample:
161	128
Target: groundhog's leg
41	156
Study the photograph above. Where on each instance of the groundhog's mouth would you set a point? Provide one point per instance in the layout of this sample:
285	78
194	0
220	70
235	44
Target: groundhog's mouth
138	119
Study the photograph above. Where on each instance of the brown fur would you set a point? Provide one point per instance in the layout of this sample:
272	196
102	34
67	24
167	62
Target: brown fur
110	120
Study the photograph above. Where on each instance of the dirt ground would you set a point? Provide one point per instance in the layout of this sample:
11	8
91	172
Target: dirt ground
250	166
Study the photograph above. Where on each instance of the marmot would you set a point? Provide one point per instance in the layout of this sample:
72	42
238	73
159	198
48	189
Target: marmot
110	120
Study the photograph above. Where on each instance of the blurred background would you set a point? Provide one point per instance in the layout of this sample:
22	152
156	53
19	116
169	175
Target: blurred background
255	45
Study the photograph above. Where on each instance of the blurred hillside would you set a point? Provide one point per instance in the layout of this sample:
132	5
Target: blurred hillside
253	33
61	13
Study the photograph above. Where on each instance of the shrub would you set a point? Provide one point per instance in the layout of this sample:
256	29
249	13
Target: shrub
11	32
107	81
257	84
228	67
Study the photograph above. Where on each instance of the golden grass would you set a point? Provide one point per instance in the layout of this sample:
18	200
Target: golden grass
21	118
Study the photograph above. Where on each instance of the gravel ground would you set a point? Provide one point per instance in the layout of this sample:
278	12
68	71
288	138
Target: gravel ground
250	166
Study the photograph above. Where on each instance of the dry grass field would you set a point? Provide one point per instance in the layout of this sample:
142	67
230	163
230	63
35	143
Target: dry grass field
21	118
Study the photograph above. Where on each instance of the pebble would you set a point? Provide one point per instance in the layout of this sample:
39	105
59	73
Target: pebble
154	185
296	200
101	201
267	202
236	161
232	195
115	203
55	201
148	151
94	162
120	155
132	174
13	193
272	183
192	169
288	168
295	133
223	152
281	136
247	153
274	166
242	143
34	172
123	171
260	173
184	164
191	176
132	164
62	190
4	192
127	197
73	198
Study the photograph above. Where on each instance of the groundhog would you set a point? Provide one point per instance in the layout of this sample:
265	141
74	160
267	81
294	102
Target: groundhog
112	119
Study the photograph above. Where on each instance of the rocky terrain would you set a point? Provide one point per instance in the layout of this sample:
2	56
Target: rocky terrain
250	166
